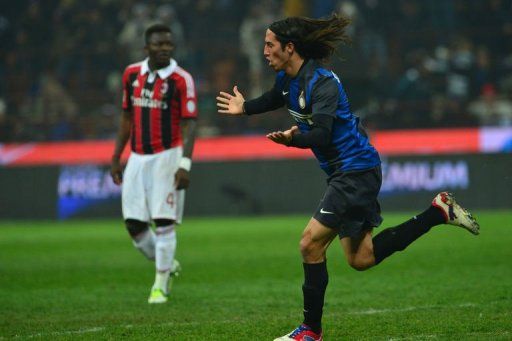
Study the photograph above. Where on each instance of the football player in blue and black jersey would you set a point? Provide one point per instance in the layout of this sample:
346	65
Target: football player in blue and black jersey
316	99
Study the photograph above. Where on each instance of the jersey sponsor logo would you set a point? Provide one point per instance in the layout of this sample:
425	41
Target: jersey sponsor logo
148	103
302	100
147	93
325	212
301	118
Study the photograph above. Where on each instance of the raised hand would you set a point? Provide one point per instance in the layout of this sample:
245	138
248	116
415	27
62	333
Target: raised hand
231	104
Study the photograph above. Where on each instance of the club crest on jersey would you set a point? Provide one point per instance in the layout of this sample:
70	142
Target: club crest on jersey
164	88
302	100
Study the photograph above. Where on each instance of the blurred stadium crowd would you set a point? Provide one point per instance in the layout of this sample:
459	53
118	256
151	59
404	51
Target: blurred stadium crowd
412	64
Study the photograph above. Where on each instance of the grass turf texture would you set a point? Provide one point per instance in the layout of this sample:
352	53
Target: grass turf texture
242	279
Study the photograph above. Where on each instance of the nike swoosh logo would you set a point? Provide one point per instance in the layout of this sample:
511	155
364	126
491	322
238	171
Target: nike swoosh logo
325	212
285	93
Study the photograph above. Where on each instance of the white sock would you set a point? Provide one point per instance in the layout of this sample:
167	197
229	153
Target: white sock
165	248
161	280
145	243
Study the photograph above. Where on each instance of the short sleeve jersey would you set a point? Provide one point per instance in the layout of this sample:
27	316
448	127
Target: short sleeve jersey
158	100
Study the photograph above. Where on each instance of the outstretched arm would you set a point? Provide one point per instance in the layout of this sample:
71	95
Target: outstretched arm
318	136
235	104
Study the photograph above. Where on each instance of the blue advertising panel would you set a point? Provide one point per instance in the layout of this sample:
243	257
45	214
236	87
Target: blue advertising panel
83	188
481	181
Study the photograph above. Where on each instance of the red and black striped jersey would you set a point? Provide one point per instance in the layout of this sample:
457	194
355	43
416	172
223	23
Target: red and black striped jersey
158	101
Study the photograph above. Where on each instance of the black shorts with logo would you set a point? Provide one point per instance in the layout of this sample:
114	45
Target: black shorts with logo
350	203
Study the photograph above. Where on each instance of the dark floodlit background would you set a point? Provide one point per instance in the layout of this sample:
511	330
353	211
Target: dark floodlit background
431	81
413	64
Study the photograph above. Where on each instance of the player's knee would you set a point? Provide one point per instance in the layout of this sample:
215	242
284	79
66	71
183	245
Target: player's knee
136	227
360	264
305	246
310	251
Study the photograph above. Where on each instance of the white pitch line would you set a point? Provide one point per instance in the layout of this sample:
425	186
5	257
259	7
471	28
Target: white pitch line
370	311
99	329
65	332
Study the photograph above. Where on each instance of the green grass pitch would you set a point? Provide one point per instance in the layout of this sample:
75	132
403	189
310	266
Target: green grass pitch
242	279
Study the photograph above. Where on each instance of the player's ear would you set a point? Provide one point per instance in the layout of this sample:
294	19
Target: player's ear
290	47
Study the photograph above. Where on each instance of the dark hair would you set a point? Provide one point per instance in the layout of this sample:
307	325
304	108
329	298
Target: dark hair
156	28
313	38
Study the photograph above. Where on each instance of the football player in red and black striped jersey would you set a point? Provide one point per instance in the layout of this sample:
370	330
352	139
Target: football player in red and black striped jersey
159	118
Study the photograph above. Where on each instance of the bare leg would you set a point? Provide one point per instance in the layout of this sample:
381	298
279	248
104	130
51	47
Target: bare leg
316	238
359	250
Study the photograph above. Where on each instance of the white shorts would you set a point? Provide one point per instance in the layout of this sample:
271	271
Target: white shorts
148	190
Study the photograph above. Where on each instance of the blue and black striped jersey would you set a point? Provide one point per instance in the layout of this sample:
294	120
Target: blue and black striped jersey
318	91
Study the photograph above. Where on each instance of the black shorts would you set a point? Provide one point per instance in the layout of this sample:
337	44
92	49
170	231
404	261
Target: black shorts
350	203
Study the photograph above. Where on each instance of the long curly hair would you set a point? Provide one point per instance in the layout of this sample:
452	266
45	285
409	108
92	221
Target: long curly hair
313	38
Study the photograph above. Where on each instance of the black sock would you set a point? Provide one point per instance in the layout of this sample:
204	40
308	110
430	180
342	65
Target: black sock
399	237
313	289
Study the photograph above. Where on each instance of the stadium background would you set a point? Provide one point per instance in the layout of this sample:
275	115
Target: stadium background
431	80
427	78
